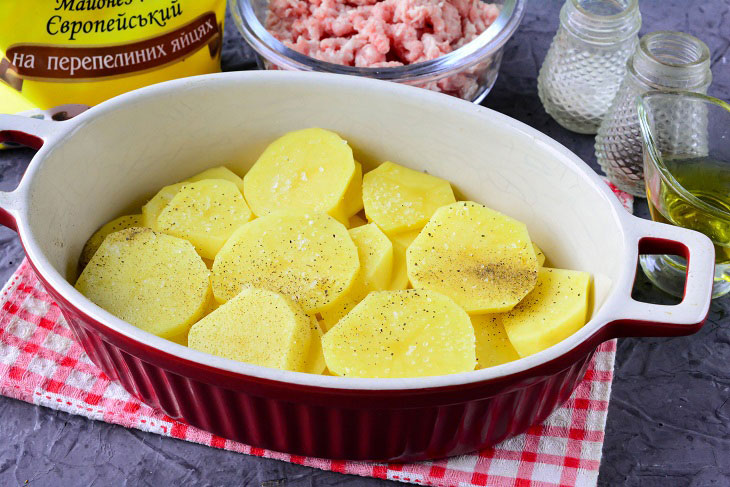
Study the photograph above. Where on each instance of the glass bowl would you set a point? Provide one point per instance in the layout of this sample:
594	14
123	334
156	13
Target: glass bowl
468	72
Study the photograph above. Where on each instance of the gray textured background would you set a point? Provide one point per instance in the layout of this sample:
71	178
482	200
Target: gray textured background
669	416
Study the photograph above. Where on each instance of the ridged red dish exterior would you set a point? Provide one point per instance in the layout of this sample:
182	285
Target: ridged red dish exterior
402	425
385	425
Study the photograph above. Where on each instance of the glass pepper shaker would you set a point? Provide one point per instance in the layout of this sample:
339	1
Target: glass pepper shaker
665	61
587	61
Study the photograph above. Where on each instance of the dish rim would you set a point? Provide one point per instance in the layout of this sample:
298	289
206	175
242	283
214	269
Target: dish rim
81	305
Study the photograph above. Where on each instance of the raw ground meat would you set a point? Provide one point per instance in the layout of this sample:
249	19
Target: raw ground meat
382	33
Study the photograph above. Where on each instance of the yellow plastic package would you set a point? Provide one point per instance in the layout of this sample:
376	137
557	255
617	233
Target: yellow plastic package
55	52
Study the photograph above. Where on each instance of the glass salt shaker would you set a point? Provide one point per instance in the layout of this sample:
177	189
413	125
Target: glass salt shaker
587	61
665	61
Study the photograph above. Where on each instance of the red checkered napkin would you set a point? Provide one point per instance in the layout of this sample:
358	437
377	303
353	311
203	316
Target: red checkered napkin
41	363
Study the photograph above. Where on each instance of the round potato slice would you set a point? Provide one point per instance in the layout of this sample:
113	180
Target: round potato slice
156	205
351	201
400	199
307	170
220	172
375	252
407	333
479	257
539	254
206	213
314	363
126	221
399	278
401	241
308	257
152	209
340	308
554	310
493	345
259	327
154	281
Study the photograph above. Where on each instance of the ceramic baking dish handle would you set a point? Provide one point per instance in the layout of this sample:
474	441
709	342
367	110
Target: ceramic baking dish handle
634	318
31	132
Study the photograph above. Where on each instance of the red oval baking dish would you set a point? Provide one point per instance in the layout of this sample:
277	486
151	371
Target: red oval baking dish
119	153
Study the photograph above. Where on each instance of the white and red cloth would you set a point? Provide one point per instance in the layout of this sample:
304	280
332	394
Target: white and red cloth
41	363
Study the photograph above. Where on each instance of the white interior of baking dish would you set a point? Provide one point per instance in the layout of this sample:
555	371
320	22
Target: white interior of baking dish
119	154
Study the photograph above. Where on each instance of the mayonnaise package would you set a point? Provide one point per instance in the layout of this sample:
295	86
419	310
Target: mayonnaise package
56	52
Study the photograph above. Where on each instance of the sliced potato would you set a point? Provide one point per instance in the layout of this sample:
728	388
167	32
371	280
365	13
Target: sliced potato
401	241
399	199
154	281
405	239
332	315
159	202
154	207
351	201
95	240
539	254
206	213
479	257
314	363
220	172
409	333
259	327
375	253
356	221
492	346
307	171
308	257
399	277
553	311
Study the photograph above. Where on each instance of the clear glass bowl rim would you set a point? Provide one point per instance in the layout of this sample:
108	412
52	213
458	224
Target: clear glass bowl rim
483	46
655	157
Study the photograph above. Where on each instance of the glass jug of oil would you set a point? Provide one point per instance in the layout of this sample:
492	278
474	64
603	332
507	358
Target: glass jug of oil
686	139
